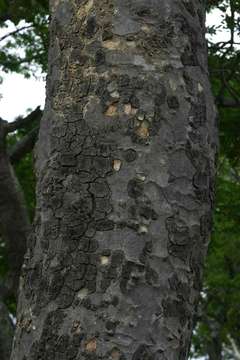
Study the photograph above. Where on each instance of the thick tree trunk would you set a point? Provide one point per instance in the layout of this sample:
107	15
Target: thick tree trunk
126	163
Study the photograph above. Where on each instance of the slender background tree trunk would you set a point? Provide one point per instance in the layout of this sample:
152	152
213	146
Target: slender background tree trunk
6	332
126	164
14	220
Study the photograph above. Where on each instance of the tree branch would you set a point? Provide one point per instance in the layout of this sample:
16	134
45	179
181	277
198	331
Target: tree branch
236	351
22	122
15	32
227	103
24	146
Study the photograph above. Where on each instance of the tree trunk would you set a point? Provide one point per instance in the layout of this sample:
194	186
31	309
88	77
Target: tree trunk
126	163
214	349
14	220
14	229
214	346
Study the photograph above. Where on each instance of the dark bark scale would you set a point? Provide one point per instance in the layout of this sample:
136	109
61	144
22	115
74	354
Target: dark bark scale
126	164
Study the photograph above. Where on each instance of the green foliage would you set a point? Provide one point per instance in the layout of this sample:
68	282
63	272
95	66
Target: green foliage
219	308
220	311
25	49
230	135
18	10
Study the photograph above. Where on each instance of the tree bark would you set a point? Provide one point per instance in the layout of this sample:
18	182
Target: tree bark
126	166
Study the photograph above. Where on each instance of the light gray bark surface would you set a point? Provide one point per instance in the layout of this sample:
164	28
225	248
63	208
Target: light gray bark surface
126	165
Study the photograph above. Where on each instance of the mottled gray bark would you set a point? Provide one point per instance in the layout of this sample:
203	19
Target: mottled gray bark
126	165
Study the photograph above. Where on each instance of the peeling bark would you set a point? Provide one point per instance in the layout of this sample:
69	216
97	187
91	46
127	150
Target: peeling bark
126	166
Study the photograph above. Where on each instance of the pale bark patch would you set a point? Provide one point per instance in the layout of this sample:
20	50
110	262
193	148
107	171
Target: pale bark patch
111	111
143	130
91	345
84	10
117	164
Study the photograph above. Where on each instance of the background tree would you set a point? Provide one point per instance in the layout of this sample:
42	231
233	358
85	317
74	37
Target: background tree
218	327
14	218
17	182
31	36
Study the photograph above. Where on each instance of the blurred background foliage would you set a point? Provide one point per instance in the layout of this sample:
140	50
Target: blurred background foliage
217	331
25	49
